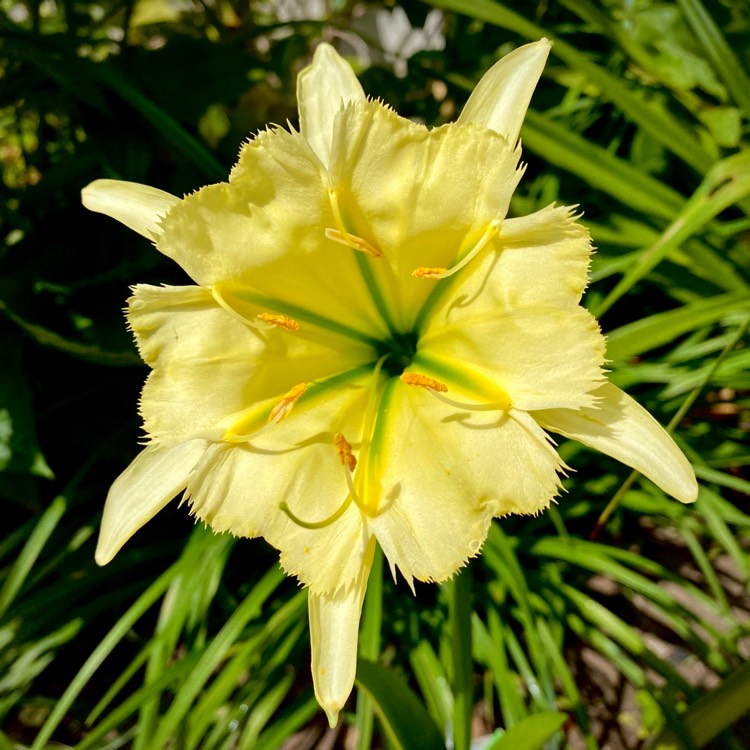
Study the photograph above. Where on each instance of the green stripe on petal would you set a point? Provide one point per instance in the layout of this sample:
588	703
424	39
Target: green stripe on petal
443	467
543	357
623	429
139	207
209	366
245	486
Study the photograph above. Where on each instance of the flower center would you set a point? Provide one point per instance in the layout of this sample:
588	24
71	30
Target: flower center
397	352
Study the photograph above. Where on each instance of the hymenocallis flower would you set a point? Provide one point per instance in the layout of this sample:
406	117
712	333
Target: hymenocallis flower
372	353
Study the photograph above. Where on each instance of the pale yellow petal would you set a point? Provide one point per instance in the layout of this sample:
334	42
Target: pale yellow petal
623	429
541	357
542	257
421	197
324	88
443	472
209	364
139	207
265	232
243	487
501	98
334	633
154	477
538	259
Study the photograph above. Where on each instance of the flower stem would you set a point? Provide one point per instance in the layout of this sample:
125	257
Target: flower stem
463	692
369	647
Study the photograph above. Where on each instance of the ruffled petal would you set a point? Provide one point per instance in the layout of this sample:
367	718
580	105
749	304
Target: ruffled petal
442	473
543	256
500	100
334	633
265	232
623	429
244	486
209	363
323	88
154	477
139	207
423	198
538	259
542	357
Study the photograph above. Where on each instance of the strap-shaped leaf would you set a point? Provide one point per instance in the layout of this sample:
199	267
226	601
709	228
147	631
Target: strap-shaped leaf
404	718
530	733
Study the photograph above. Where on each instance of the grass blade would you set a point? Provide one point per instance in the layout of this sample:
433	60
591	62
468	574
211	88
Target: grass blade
713	713
531	733
718	51
463	673
120	629
21	568
405	720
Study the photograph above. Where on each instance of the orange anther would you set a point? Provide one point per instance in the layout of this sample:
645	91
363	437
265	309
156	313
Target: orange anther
282	321
344	449
423	381
285	404
429	273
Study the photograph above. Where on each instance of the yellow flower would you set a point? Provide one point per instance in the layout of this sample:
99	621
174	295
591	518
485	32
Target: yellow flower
372	352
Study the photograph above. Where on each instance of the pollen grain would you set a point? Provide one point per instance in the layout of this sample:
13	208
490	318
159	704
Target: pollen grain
280	321
286	403
423	381
429	273
344	450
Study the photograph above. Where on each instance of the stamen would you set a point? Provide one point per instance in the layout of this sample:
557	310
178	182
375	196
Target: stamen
269	319
487	406
353	241
444	273
343	237
423	381
438	389
344	449
280	411
284	508
429	273
282	321
286	403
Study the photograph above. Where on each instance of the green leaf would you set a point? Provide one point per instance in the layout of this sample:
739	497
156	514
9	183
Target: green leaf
718	51
87	352
599	167
369	645
713	713
655	120
433	683
297	715
725	184
463	676
656	330
19	450
405	720
530	733
29	554
492	652
116	634
214	655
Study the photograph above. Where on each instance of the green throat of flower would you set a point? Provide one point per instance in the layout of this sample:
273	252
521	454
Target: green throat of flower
389	361
397	353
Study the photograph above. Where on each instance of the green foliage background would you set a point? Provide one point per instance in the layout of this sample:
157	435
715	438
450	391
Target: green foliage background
632	622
